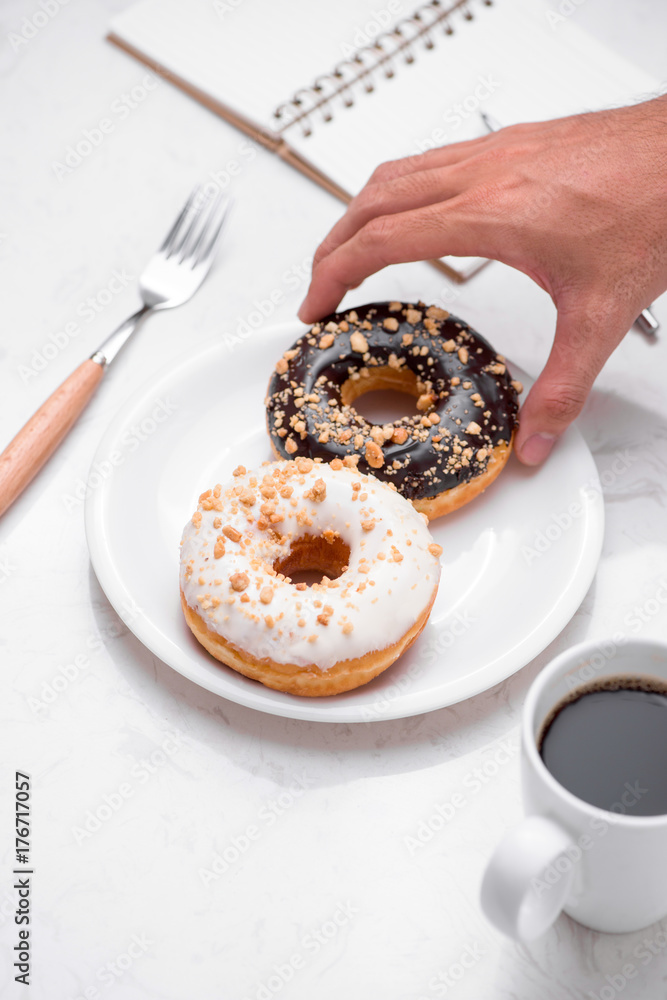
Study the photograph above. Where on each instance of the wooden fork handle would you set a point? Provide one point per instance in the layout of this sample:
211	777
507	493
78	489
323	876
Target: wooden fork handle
38	439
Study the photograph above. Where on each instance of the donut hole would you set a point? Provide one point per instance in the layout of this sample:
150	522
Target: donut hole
312	557
382	396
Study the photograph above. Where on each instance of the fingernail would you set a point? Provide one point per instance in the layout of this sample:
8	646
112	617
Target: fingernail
301	310
536	448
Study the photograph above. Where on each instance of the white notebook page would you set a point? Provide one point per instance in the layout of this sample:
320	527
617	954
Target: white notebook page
249	55
509	61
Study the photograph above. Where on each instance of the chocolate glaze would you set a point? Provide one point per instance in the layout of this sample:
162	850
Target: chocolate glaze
434	458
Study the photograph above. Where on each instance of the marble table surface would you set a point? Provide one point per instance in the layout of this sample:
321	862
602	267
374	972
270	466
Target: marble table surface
241	855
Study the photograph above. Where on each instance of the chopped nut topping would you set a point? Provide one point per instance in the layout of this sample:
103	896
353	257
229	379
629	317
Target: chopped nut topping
336	464
196	518
435	312
449	346
232	533
425	401
517	386
323	619
326	341
358	342
481	454
290	446
407	339
302	586
304	465
219	549
247	498
374	455
395	307
497	369
317	492
390	323
400	435
281	366
239	581
435	550
347	628
266	595
269	620
473	428
463	355
413	316
368	525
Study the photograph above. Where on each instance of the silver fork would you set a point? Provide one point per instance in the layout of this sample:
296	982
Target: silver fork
171	277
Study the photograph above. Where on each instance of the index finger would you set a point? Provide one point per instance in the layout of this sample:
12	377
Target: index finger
391	239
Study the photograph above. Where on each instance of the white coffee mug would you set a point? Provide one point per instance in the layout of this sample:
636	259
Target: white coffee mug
607	869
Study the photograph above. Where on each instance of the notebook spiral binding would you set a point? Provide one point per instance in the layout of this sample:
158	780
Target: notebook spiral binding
367	62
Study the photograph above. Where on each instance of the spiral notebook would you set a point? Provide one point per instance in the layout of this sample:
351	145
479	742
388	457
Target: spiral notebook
337	87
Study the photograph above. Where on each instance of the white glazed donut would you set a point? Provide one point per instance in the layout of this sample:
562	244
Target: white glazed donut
380	570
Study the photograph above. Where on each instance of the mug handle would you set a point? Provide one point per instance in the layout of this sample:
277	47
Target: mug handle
523	889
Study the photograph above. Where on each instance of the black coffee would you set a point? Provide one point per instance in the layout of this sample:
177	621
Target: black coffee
607	744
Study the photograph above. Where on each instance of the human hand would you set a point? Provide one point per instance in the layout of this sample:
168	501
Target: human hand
579	204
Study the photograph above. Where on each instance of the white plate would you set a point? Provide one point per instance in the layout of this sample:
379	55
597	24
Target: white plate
517	561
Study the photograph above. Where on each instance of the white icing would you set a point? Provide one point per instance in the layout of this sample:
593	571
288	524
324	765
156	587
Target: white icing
395	594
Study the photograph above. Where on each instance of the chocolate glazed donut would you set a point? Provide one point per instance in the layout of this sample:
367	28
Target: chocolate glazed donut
440	457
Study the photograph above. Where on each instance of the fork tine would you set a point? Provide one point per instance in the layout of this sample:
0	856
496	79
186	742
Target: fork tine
170	238
205	248
184	245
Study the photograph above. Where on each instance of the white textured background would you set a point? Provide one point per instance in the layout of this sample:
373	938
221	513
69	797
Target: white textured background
330	804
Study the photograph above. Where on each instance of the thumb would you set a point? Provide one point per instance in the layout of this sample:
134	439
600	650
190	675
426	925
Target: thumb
585	337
